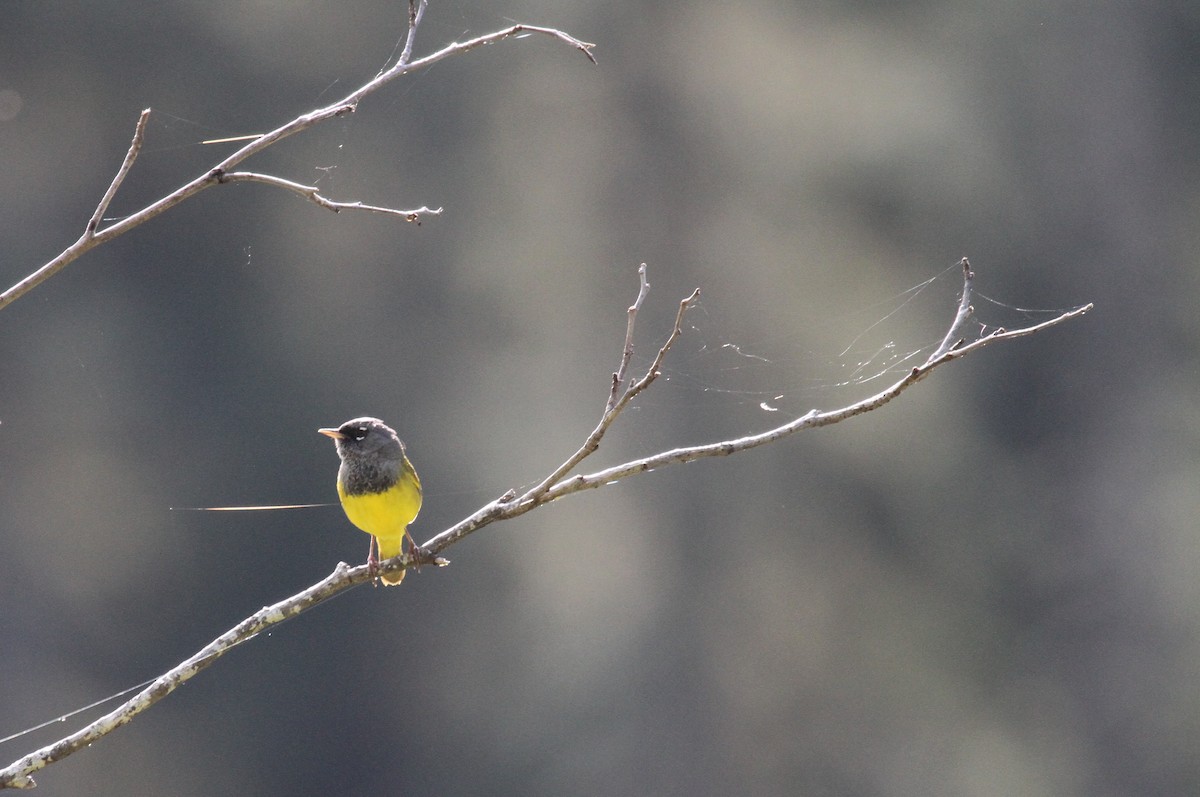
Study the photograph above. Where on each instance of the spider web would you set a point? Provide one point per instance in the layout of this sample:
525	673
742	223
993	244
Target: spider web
754	377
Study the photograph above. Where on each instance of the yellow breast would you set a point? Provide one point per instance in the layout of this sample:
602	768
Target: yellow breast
387	514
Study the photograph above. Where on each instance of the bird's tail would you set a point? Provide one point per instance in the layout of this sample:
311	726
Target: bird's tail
387	549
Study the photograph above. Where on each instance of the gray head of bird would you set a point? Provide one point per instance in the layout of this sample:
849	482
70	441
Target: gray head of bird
362	438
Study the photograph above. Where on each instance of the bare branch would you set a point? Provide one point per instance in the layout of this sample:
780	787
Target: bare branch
17	774
93	236
811	420
562	484
312	193
557	485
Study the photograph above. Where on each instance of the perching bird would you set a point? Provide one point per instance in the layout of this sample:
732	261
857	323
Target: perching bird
379	489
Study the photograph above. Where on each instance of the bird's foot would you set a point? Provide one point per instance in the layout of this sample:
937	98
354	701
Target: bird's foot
416	555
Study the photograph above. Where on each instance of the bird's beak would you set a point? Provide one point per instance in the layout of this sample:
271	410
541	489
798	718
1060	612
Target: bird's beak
334	433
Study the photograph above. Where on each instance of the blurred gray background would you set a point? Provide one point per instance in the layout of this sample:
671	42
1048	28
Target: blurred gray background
988	587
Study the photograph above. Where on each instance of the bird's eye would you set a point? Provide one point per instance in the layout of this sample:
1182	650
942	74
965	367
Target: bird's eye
360	433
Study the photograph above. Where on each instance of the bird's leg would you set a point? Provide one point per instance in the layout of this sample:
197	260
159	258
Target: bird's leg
373	561
414	551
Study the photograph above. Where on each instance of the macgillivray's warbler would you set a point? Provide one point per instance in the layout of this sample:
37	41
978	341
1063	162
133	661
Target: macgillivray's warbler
378	487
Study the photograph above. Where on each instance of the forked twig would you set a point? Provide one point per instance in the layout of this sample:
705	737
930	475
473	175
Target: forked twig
655	369
618	399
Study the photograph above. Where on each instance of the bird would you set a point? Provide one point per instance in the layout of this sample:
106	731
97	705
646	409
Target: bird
378	487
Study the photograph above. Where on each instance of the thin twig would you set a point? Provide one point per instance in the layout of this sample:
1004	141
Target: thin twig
953	336
618	377
313	194
416	10
135	147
